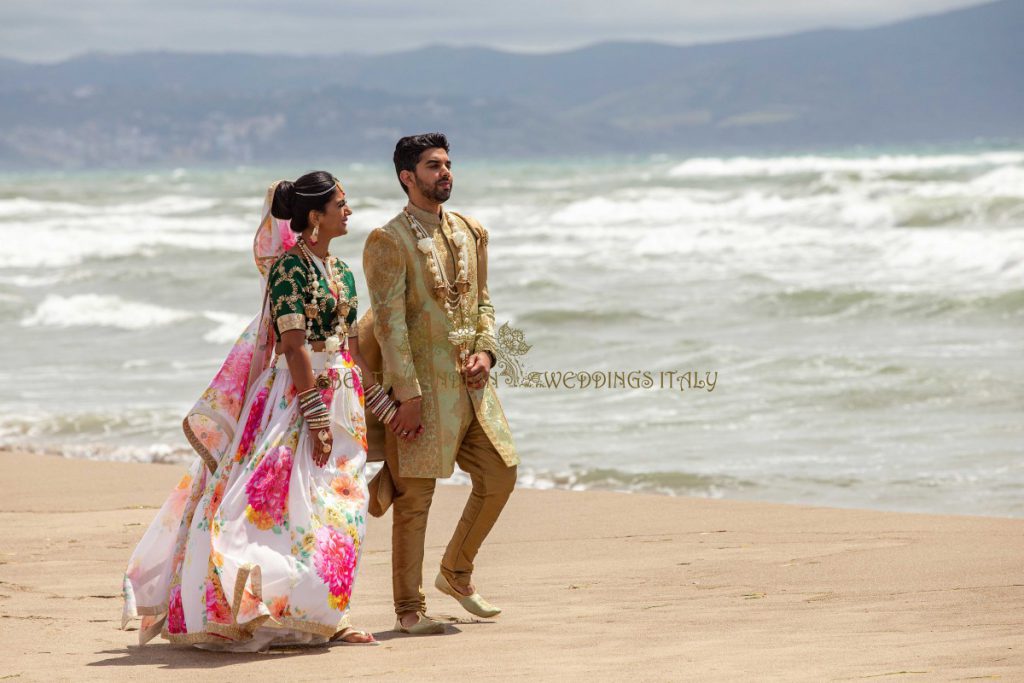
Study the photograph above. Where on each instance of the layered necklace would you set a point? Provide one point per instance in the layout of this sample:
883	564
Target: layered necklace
336	285
453	296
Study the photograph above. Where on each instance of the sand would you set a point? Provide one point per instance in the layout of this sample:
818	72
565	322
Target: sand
594	585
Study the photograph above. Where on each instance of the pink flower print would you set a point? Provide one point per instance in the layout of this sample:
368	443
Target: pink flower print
335	563
176	503
215	500
252	424
233	375
328	394
346	360
267	488
250	607
211	438
288	236
263	239
217	609
175	613
279	606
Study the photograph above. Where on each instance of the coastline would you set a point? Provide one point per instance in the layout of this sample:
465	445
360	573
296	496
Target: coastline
593	583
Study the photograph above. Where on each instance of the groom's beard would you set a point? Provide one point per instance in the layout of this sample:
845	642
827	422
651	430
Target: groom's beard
435	192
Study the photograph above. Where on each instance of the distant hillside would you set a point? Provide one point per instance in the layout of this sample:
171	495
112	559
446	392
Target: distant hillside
949	77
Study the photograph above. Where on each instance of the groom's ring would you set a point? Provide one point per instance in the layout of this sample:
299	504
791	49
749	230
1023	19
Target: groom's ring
406	433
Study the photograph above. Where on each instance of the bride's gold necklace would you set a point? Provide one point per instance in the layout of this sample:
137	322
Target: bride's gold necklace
454	297
334	283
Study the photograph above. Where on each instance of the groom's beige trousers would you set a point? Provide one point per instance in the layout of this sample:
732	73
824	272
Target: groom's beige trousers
493	482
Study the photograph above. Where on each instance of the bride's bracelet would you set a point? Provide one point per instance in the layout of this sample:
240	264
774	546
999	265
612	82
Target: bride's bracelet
316	425
308	397
313	409
318	419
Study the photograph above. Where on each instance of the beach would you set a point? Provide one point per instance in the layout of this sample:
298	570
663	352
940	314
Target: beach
593	584
751	286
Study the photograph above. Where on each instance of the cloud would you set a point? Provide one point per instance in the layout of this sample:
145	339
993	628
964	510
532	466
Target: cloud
56	29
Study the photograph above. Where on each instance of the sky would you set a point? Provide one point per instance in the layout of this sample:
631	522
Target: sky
52	30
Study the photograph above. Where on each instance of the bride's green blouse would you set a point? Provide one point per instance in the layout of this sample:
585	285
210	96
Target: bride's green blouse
289	280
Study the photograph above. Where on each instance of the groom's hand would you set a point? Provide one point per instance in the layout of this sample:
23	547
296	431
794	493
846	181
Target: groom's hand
478	370
407	424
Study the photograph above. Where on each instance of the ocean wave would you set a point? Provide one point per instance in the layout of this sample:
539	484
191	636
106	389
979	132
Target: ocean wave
1002	182
576	316
724	167
165	205
99	310
579	478
25	207
939	260
989	203
105	237
30	424
973	262
611	479
25	281
229	326
153	454
826	303
104	310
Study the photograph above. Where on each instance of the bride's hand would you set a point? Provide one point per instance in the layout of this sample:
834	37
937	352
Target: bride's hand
322	445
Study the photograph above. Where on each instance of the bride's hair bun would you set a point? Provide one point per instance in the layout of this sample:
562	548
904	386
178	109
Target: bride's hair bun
283	205
294	201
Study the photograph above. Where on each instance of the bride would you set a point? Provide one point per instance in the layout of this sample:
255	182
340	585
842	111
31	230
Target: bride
259	543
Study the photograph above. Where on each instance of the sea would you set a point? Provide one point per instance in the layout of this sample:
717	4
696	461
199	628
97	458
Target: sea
838	329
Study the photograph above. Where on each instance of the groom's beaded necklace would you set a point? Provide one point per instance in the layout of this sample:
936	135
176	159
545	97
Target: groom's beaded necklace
453	296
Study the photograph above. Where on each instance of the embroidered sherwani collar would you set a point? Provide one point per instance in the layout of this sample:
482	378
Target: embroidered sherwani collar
430	221
440	229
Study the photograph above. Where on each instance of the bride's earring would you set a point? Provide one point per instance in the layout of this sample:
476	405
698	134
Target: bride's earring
315	234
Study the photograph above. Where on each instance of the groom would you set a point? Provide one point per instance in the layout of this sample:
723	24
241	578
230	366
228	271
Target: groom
432	317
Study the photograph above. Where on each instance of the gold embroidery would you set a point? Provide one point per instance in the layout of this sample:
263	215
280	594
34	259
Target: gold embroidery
386	278
289	279
292	321
287	284
485	340
200	448
382	262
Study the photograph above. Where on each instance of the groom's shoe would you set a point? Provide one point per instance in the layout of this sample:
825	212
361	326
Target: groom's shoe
424	626
474	604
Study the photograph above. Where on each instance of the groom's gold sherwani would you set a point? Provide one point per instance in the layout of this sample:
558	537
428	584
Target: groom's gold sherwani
461	425
412	329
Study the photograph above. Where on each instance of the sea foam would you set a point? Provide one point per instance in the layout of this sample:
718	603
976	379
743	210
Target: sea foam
798	165
99	310
104	310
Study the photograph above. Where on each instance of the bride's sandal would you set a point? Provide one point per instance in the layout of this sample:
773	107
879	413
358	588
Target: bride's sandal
344	635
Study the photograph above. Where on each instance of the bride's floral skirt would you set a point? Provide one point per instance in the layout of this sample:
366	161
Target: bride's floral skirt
265	549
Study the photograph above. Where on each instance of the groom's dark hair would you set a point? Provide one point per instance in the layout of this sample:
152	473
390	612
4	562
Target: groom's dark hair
410	148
